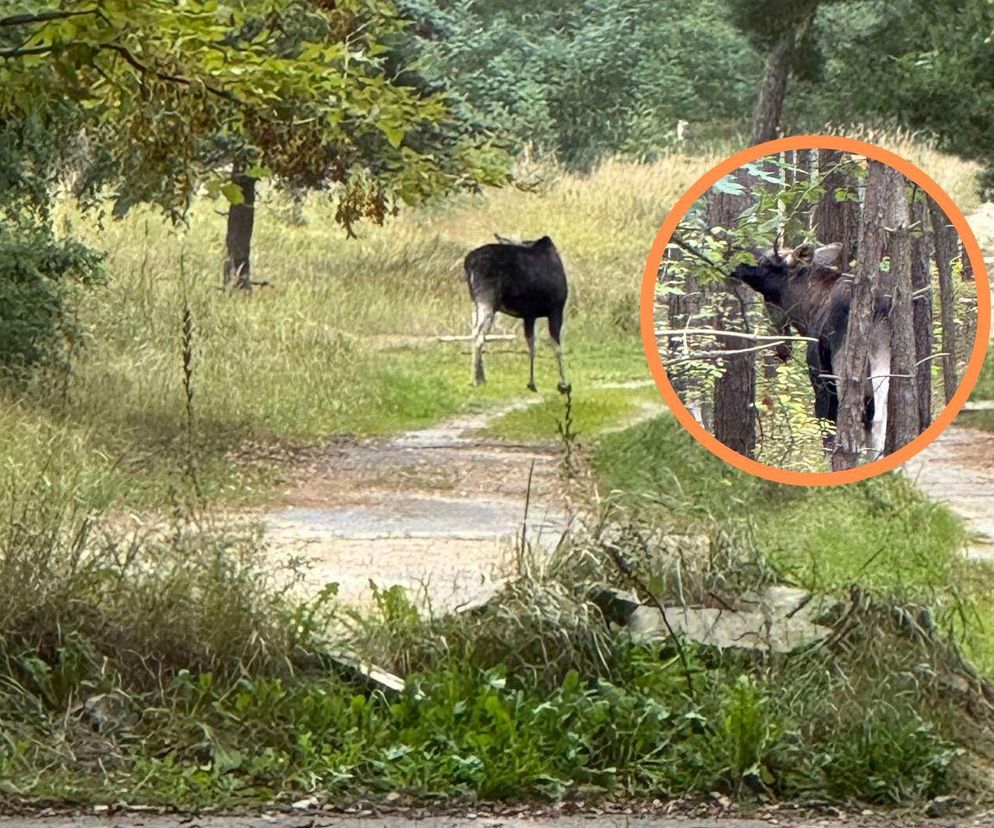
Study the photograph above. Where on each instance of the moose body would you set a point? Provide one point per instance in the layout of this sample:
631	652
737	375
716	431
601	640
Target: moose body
801	290
525	280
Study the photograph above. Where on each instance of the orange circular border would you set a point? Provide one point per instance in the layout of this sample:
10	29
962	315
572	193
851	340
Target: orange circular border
647	310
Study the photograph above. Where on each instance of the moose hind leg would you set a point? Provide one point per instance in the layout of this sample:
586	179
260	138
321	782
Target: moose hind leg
555	332
484	321
530	339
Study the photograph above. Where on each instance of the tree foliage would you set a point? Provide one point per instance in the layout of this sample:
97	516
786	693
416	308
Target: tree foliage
38	275
589	79
163	95
924	65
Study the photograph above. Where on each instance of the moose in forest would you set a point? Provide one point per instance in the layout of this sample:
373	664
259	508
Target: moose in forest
524	280
802	290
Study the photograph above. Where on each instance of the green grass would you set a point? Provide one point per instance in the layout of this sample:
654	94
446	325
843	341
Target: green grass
226	689
224	692
593	411
881	533
341	342
984	389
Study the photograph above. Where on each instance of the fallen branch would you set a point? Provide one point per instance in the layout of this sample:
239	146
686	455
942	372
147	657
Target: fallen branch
732	334
719	354
470	337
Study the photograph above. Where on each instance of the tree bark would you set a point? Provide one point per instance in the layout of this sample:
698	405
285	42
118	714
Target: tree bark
850	367
945	252
902	403
837	221
734	404
238	239
921	284
773	90
967	274
735	389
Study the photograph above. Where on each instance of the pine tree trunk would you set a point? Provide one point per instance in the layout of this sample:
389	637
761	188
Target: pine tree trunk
902	404
945	252
238	240
850	366
735	389
921	283
773	91
837	221
734	404
967	274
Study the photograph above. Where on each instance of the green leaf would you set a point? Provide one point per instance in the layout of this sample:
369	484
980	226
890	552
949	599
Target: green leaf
231	191
728	186
395	135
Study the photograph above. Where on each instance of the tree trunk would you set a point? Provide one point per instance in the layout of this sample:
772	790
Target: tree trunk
735	389
902	403
850	366
238	240
967	274
734	404
769	105
945	252
921	284
837	221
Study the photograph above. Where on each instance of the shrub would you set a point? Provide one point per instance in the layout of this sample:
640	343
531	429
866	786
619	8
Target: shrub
39	274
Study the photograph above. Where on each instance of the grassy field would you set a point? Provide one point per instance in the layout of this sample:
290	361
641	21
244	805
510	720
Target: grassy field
214	686
343	339
342	342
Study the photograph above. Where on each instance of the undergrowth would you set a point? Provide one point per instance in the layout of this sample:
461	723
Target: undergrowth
180	667
174	671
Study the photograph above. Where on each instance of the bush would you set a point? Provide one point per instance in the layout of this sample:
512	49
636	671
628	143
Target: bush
39	274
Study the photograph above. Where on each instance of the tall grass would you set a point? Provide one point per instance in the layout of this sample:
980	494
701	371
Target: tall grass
175	667
341	341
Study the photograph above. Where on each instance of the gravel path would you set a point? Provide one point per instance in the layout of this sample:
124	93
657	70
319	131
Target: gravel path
436	511
780	818
957	469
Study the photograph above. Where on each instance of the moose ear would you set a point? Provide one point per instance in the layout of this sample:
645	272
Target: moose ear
828	254
804	254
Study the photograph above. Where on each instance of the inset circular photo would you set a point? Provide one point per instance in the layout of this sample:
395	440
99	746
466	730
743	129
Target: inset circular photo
815	310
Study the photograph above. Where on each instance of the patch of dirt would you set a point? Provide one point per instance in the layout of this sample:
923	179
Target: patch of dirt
438	510
957	469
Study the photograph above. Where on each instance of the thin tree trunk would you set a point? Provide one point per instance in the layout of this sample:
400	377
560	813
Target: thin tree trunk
945	252
735	389
850	367
837	221
734	404
902	403
967	274
238	240
921	284
769	105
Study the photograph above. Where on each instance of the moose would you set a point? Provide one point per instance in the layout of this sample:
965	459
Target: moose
802	290
524	280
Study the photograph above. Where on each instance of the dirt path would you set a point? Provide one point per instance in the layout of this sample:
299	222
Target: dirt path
957	469
783	817
579	821
435	510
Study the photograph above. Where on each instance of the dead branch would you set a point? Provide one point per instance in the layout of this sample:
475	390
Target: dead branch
732	334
